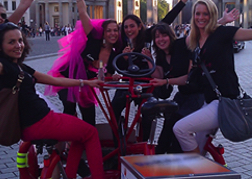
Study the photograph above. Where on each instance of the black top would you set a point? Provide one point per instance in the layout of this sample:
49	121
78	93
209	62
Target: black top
179	64
31	107
93	48
217	53
92	51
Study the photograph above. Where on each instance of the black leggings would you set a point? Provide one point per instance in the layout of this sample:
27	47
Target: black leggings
88	114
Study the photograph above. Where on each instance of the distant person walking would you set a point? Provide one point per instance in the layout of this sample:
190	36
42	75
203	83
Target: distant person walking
47	31
40	31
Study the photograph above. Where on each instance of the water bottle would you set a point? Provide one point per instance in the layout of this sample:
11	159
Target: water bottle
101	75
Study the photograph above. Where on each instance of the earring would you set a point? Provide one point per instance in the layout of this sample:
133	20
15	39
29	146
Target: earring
103	41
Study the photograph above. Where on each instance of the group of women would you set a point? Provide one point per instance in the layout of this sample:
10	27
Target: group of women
96	41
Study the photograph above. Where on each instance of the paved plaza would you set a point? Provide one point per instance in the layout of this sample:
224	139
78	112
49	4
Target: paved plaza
237	155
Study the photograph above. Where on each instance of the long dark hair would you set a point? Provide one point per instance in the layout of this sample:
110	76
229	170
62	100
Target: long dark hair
118	45
140	39
162	28
5	27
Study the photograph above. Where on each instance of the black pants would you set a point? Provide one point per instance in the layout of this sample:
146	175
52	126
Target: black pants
47	33
88	114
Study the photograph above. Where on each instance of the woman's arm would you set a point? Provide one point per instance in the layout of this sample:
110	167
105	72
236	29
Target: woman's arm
66	82
84	17
19	12
181	80
243	34
169	18
1	68
172	14
171	81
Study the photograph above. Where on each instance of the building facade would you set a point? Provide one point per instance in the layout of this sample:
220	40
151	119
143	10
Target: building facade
63	12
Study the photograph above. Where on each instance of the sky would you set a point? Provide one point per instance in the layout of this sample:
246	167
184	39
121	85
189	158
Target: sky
169	1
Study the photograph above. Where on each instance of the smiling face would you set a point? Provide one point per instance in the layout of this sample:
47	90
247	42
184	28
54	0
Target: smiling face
131	29
201	16
162	41
111	33
13	44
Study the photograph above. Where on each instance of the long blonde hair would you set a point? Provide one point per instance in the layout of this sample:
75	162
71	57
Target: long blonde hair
210	27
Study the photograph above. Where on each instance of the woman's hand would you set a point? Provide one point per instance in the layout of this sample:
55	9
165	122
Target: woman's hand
127	49
229	16
146	52
116	77
158	82
94	83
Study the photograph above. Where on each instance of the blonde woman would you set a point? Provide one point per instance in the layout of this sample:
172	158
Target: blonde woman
212	43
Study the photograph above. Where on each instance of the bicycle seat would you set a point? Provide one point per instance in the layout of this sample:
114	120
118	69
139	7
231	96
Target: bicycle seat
153	107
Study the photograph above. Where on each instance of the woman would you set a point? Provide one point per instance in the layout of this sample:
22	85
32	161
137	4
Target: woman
134	39
93	42
215	44
173	64
37	121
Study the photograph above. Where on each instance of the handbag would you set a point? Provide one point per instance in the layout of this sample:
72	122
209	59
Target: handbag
10	131
234	115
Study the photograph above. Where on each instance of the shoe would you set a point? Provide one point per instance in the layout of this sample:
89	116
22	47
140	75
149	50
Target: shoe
83	169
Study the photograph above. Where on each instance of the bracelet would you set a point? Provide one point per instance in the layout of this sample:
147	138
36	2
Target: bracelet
81	84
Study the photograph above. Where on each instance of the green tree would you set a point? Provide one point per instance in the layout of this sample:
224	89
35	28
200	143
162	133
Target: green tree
143	10
163	8
125	8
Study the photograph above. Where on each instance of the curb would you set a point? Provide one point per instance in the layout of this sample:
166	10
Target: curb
40	56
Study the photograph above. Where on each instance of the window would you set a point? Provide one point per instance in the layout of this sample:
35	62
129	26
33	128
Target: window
6	5
56	9
13	5
73	9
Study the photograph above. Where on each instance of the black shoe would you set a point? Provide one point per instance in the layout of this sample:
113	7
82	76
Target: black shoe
83	169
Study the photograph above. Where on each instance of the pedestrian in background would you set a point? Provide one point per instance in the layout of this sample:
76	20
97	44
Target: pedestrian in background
47	31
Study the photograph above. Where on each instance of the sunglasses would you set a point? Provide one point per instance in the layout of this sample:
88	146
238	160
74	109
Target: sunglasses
8	25
3	15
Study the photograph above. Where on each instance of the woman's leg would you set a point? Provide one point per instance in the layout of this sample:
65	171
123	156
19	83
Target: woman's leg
88	114
167	138
69	107
204	119
65	127
119	103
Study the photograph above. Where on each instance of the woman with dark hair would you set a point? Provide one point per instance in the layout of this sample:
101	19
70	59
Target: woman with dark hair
93	42
36	119
173	61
